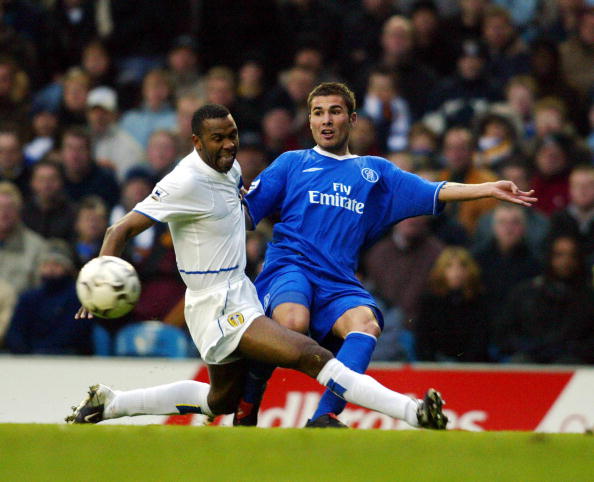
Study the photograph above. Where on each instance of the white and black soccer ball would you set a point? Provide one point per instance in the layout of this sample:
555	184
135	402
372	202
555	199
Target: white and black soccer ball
108	287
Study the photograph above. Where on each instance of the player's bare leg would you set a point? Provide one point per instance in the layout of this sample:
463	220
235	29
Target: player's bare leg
293	316
268	342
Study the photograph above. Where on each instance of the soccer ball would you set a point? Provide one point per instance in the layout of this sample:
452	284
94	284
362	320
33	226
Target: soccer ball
108	287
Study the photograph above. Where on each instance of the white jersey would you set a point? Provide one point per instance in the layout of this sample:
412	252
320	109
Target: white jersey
205	216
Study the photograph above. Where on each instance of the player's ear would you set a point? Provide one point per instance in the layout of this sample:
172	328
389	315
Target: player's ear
197	142
353	118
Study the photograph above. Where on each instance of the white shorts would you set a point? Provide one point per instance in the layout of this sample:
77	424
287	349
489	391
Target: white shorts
218	317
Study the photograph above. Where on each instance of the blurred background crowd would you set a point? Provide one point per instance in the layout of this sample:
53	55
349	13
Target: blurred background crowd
96	98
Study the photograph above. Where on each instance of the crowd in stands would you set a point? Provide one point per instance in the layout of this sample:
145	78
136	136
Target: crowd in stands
96	98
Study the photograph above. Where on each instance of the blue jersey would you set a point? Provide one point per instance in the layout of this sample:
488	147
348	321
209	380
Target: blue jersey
331	206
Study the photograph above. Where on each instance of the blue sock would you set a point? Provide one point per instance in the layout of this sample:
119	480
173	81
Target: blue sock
255	381
355	353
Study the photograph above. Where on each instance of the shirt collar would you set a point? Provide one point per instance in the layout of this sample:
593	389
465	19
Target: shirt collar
322	152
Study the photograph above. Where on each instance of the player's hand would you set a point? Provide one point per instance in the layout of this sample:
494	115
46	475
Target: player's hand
83	313
508	191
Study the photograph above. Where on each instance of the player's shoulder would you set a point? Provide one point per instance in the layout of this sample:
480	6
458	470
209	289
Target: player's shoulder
376	163
183	178
293	156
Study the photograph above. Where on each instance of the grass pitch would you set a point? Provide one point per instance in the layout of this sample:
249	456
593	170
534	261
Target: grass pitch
115	453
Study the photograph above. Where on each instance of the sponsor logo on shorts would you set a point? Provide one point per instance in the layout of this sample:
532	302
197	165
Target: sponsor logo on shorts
235	319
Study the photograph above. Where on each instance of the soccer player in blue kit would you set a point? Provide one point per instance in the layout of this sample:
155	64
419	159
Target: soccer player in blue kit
331	205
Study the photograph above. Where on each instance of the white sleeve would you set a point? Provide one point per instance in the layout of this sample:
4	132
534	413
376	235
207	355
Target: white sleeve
176	197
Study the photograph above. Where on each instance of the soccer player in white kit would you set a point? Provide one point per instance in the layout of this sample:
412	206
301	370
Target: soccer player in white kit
200	199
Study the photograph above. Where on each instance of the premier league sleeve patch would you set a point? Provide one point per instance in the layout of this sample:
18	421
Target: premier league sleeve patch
159	193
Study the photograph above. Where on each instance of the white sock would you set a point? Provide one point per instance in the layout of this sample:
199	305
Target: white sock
367	392
160	400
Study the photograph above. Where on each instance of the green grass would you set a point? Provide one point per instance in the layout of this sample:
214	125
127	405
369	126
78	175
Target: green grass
72	453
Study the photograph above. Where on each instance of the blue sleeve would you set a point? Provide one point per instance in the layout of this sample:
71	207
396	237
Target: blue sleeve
411	195
266	192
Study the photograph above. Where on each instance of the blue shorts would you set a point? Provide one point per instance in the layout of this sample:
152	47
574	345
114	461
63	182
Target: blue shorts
326	301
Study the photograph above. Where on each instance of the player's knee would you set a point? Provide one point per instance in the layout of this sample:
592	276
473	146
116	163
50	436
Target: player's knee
369	326
312	359
292	316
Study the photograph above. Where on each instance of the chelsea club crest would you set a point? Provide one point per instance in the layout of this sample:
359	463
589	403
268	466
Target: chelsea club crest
369	175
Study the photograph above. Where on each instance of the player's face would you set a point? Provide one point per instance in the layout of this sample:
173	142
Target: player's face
330	123
217	143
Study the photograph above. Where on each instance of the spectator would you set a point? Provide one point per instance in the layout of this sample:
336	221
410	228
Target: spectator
465	94
398	265
545	67
278	132
43	322
506	259
577	218
13	92
363	138
423	144
360	42
77	84
112	146
252	158
388	110
162	287
303	19
69	24
183	66
7	304
458	155
576	55
20	247
13	167
98	64
508	54
161	153
186	105
550	318
416	80
82	174
537	224
468	22
445	226
44	135
497	140
251	92
432	43
452	325
135	188
89	228
155	111
291	93
553	161
48	211
520	95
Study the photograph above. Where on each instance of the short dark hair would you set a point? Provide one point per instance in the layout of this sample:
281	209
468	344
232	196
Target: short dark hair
77	131
334	88
51	164
208	111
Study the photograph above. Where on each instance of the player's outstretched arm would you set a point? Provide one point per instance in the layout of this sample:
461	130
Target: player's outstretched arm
119	233
115	240
502	190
